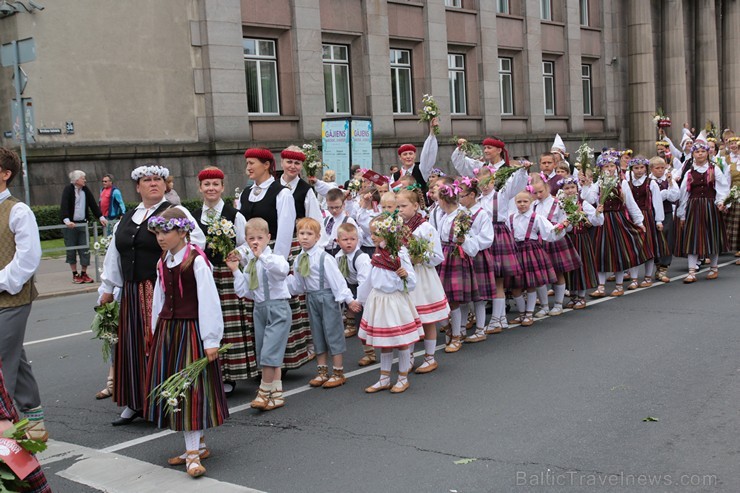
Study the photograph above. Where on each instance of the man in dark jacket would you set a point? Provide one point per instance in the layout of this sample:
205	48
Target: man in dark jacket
77	200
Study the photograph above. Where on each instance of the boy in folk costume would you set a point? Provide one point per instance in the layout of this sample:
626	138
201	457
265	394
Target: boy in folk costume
335	218
20	256
669	194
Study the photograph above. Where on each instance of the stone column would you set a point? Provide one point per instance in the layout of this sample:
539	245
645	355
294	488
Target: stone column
573	57
222	79
532	57
377	69
613	64
641	76
673	66
707	64
309	71
435	52
730	117
489	86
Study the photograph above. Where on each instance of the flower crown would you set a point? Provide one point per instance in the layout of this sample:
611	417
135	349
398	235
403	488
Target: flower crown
438	172
607	157
570	180
639	161
699	145
158	223
151	170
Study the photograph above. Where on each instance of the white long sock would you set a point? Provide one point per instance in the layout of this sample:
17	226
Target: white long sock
714	260
411	348
531	301
430	346
619	277
559	293
634	271
127	413
480	314
386	361
464	311
404	361
455	318
192	439
693	260
520	305
602	278
499	307
542	295
649	268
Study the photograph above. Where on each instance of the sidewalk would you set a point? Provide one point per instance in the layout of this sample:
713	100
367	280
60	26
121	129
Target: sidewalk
54	278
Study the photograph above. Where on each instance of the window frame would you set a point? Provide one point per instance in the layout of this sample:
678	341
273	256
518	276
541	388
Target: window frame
549	77
546	10
335	62
502	73
453	4
585	13
587	88
454	70
506	10
397	67
258	58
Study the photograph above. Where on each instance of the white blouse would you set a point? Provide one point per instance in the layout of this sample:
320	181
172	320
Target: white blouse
482	227
470	246
720	185
277	277
388	281
542	228
285	212
505	198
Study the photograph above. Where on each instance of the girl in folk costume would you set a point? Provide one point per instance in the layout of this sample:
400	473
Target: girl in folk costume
429	299
618	243
390	320
187	325
562	253
435	212
239	362
270	200
368	207
482	230
669	194
529	230
647	196
459	247
733	213
130	265
583	278
703	233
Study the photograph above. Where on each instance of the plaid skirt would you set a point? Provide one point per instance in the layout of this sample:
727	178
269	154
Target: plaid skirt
457	276
563	255
703	233
536	266
177	344
618	243
483	266
505	260
585	276
732	220
240	361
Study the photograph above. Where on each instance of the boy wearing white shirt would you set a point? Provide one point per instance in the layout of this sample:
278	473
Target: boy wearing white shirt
317	274
336	218
264	280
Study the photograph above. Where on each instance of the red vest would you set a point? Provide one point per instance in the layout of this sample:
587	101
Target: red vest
179	305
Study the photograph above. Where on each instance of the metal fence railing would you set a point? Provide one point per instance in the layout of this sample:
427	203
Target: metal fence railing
95	237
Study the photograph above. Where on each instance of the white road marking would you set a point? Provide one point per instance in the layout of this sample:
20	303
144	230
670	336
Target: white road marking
29	343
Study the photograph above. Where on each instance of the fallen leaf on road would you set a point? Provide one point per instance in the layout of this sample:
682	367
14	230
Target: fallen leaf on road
465	461
650	418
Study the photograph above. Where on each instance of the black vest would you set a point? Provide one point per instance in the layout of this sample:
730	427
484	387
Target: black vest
416	173
265	208
138	247
228	213
301	190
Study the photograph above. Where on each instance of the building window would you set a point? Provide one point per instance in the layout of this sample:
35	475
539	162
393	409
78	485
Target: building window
453	3
336	79
587	89
548	76
456	74
502	7
546	10
584	13
506	86
401	82
260	65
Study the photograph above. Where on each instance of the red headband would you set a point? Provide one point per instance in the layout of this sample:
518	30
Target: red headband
406	147
210	174
294	155
260	153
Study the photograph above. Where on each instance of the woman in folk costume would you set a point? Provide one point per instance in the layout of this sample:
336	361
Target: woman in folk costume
732	219
618	243
130	264
646	193
703	232
496	202
427	159
239	362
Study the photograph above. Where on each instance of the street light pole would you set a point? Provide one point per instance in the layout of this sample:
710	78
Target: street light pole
17	74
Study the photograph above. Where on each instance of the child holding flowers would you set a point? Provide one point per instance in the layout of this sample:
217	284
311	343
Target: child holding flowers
390	320
187	326
425	250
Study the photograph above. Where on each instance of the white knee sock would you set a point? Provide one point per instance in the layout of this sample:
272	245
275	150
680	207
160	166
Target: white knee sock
649	268
693	260
619	277
127	413
520	305
386	361
192	439
411	349
542	295
531	301
455	318
714	260
430	346
602	278
464	311
480	314
634	271
404	361
499	307
559	293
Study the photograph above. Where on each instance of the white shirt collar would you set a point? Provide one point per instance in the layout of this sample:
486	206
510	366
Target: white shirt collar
265	184
292	183
154	207
527	214
250	253
4	195
176	259
639	181
314	249
218	207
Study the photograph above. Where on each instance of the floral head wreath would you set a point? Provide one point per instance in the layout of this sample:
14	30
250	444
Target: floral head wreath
699	145
661	143
158	223
733	139
626	151
570	180
607	157
149	170
639	161
438	172
711	139
448	190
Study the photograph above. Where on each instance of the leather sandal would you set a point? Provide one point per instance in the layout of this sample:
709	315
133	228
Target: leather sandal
262	399
478	336
618	290
691	278
611	278
179	460
580	304
528	319
571	304
350	331
107	391
193	465
632	286
516	321
663	276
713	273
379	385
646	283
276	399
455	345
471	321
321	378
599	293
428	366
368	359
336	379
37	431
400	386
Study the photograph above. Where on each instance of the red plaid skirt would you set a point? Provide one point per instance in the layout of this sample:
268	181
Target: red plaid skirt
483	266
505	260
536	265
732	220
585	277
457	276
563	255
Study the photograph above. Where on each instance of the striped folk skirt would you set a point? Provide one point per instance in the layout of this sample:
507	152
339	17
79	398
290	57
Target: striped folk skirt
240	361
703	233
656	244
176	344
732	220
389	320
134	337
536	266
563	255
505	260
585	276
618	243
456	273
429	297
483	268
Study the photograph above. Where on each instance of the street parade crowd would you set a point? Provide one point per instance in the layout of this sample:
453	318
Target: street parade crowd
295	268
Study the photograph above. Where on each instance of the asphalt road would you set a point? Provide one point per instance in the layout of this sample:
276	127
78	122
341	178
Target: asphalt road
559	406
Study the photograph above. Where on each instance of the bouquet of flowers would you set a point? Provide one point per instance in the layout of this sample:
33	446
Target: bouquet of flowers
169	392
608	185
392	229
420	249
733	197
429	110
312	164
105	326
460	227
569	205
14	441
661	120
502	176
354	186
220	235
100	247
585	156
469	148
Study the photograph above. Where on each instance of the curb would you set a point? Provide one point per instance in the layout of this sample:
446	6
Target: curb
58	294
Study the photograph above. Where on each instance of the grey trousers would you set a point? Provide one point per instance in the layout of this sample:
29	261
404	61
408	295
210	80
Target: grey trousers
19	380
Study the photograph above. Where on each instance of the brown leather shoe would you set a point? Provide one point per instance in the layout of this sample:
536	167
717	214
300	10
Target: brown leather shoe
321	378
713	273
179	460
336	379
378	387
428	366
368	359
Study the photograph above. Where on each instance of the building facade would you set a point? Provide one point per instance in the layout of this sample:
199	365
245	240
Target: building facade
189	83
